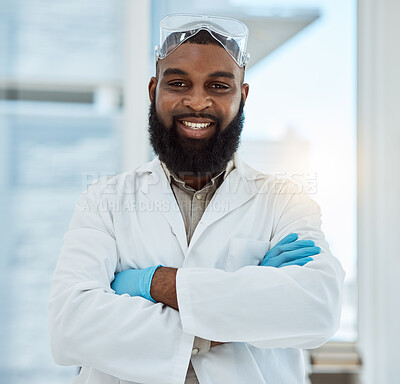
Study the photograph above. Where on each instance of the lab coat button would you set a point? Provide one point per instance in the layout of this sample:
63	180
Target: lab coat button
195	351
199	196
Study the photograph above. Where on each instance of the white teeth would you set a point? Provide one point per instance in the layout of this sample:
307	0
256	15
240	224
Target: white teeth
196	125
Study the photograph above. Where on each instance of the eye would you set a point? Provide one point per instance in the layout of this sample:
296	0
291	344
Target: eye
219	87
177	84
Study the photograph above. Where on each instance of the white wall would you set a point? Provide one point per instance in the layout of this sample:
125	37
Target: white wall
379	189
137	59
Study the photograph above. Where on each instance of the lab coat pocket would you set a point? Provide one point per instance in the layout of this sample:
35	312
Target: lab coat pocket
243	252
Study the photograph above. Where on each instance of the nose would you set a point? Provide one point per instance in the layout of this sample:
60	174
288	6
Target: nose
197	99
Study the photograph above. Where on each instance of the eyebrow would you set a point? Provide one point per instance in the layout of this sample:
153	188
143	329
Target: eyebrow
174	71
222	74
177	71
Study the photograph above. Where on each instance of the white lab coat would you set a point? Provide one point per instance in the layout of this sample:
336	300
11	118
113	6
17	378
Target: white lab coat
265	315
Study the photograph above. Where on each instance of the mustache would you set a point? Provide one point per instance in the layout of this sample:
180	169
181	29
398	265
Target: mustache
197	115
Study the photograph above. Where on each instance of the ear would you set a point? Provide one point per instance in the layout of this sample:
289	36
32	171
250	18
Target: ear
152	87
245	91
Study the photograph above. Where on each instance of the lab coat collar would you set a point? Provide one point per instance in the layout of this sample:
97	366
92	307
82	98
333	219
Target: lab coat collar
244	169
238	187
151	166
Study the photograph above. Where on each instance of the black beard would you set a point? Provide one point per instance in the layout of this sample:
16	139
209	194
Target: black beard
195	156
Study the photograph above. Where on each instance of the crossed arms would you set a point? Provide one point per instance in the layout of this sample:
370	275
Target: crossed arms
158	284
92	326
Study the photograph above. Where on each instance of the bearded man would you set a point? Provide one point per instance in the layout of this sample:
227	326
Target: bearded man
194	268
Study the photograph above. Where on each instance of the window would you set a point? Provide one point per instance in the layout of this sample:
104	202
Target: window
59	129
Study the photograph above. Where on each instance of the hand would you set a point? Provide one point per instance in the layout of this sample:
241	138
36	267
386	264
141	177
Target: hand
135	282
290	252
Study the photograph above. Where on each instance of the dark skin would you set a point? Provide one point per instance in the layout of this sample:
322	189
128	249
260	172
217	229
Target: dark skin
191	80
198	79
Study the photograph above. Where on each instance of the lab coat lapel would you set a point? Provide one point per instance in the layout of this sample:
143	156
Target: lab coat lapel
238	188
157	188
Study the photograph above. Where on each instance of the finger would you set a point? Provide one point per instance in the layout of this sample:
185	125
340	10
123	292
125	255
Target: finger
299	262
298	254
276	249
287	239
297	245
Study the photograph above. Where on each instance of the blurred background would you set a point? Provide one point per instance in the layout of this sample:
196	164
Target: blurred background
321	111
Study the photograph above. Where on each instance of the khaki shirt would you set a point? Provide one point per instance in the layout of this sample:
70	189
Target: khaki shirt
192	205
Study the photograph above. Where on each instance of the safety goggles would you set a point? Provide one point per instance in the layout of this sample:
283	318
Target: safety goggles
230	33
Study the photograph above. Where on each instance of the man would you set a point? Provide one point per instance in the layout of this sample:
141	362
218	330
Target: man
189	268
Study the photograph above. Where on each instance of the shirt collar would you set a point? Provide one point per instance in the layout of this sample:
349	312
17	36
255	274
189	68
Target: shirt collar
173	176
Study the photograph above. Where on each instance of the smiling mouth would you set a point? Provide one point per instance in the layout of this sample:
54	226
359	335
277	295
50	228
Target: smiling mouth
196	127
193	125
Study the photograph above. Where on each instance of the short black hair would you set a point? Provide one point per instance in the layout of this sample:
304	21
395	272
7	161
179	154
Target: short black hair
202	37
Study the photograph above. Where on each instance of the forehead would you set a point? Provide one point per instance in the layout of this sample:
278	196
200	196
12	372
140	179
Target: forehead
200	59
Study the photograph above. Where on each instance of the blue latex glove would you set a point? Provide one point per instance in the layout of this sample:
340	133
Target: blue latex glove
290	252
135	282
